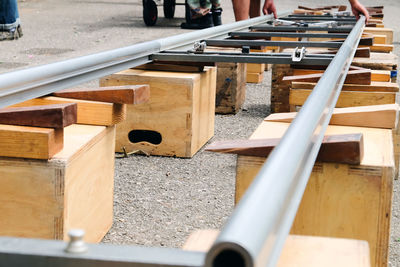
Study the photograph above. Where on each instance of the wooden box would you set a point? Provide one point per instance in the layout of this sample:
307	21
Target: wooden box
341	200
310	251
179	118
74	189
231	87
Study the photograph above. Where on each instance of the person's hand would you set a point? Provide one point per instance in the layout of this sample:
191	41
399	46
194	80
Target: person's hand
269	7
358	9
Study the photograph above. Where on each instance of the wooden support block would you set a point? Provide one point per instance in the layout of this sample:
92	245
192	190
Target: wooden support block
379	116
377	61
89	112
231	87
74	189
30	142
48	116
297	97
381	31
254	77
135	94
255	68
379	39
383	48
344	148
341	200
353	77
380	76
310	251
363	52
179	118
373	87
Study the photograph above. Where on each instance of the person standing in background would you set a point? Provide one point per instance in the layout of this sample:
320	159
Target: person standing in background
10	24
244	9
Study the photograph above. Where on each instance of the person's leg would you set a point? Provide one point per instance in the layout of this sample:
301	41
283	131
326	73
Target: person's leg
9	17
216	11
241	9
255	8
200	16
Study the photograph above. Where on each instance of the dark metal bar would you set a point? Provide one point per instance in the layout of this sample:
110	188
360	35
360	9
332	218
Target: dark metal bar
253	43
298	28
287	34
306	18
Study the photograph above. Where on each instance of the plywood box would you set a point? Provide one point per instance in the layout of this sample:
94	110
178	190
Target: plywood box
341	200
74	189
231	87
179	118
310	251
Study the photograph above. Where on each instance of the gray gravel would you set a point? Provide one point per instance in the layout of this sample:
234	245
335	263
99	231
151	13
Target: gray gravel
159	201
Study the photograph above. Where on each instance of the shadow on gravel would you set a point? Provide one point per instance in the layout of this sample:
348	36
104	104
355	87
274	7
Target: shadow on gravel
256	110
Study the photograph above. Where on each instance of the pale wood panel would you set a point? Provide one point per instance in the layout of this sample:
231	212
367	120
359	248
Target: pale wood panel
169	112
30	142
297	97
378	116
89	112
300	251
254	77
381	31
377	61
374	86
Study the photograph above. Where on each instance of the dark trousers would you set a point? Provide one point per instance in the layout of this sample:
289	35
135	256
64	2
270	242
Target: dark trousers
9	17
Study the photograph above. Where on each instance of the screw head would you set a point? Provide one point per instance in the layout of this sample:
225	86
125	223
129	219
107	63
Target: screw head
76	243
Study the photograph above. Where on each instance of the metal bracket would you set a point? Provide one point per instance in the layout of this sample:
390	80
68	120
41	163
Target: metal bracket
298	54
198	47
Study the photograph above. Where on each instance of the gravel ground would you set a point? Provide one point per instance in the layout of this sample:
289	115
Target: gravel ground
159	201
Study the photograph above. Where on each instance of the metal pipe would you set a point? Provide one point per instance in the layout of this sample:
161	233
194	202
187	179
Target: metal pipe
29	83
258	227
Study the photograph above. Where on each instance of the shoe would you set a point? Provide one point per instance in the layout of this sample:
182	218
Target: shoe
11	34
200	23
216	15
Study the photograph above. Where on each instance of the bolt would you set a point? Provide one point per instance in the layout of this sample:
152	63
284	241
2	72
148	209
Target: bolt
76	243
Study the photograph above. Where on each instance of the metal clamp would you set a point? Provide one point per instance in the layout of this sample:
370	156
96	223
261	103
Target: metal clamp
298	54
198	47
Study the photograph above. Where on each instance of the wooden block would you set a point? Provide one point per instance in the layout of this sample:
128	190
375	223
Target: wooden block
254	77
379	116
74	189
377	61
347	148
341	200
48	116
363	52
135	94
353	77
255	68
30	142
89	112
380	75
179	118
381	31
384	48
373	87
230	88
297	97
379	39
310	251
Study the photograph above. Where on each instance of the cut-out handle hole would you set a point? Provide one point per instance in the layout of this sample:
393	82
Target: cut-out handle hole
152	137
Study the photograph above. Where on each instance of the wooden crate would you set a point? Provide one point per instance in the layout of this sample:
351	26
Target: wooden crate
231	87
310	251
179	118
74	189
341	200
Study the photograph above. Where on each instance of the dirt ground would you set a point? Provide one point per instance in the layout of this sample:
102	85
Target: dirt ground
159	201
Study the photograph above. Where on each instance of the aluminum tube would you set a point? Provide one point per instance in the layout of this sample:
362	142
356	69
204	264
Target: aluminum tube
258	227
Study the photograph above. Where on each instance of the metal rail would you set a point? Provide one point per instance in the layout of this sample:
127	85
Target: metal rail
251	237
256	231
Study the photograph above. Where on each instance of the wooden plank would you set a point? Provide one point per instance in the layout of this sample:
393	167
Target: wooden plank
347	98
373	87
381	31
379	39
89	112
347	148
310	251
131	94
30	142
255	68
380	75
378	116
364	52
47	116
377	61
384	48
254	77
353	77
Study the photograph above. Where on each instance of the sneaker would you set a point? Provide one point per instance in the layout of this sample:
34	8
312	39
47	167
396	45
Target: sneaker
12	34
200	23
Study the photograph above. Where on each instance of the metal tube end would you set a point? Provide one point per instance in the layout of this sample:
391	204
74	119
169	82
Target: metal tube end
228	254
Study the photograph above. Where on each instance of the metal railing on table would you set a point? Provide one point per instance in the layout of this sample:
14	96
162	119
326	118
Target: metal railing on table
256	231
